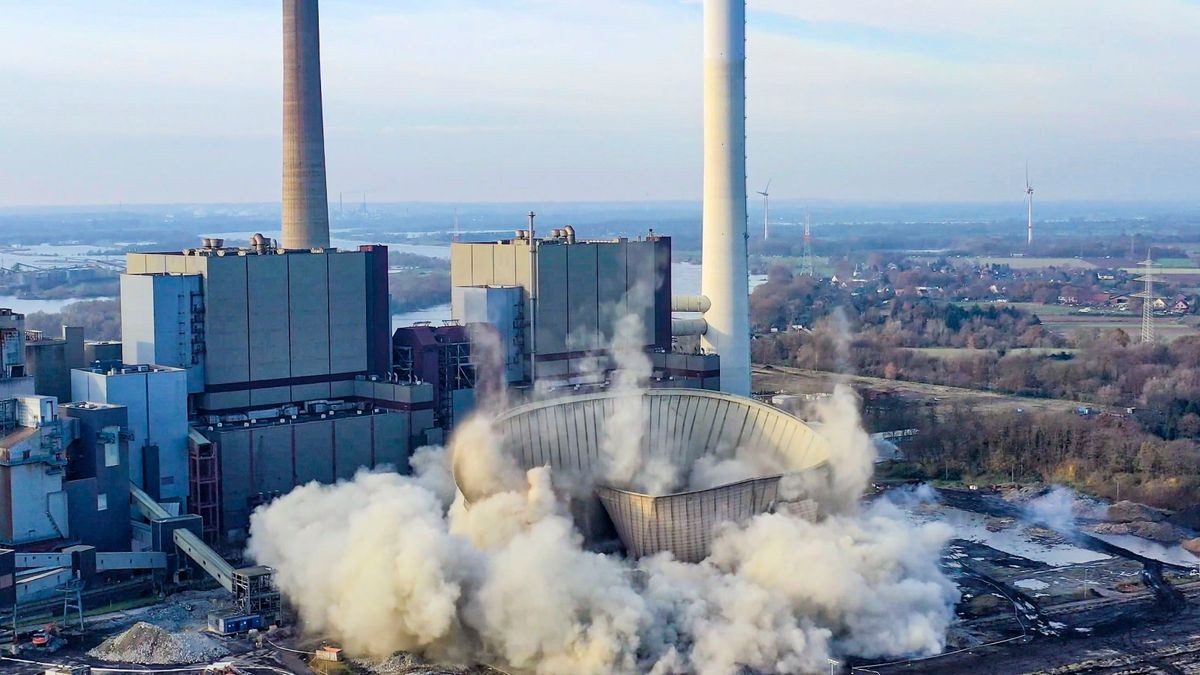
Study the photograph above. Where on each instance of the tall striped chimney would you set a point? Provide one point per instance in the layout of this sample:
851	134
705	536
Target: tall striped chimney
724	266
305	201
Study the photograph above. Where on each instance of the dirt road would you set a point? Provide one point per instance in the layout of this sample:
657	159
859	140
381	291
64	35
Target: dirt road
803	381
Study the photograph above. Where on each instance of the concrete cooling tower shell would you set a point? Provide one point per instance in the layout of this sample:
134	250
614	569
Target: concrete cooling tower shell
684	523
681	425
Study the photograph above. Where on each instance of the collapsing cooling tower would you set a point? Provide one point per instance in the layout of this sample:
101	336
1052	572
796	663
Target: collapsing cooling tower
568	434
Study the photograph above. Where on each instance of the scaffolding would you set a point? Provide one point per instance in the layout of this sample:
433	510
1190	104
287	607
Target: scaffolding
256	593
204	485
455	372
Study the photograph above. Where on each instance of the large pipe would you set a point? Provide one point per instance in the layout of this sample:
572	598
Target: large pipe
682	327
690	303
305	201
724	278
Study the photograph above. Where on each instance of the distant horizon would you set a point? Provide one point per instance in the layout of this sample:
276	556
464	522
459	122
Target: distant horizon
790	201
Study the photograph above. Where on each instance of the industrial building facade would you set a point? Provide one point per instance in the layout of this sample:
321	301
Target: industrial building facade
574	291
284	363
259	327
556	303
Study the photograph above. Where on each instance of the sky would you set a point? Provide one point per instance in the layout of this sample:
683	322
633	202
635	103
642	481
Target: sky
179	101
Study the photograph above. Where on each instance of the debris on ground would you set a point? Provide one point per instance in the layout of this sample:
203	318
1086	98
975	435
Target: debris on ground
999	523
1154	531
1191	546
147	644
1126	511
405	663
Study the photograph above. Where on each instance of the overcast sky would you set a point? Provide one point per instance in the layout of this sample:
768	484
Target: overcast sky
108	101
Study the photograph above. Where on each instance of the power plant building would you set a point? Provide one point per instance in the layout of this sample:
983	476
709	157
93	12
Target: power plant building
50	360
556	302
98	475
284	352
156	398
14	377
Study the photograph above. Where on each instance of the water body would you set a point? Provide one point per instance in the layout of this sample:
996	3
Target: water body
31	305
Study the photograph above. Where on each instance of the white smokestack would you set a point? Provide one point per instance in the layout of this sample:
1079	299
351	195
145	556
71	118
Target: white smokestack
724	275
305	202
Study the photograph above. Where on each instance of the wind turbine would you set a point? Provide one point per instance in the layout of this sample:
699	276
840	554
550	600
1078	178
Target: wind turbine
766	195
1029	201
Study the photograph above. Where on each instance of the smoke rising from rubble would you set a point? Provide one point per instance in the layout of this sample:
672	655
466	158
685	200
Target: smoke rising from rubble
386	562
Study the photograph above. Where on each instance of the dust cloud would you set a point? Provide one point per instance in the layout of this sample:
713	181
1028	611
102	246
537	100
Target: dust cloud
388	562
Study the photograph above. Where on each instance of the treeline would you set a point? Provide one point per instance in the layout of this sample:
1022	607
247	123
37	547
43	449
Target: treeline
107	287
1103	455
418	290
1160	382
101	319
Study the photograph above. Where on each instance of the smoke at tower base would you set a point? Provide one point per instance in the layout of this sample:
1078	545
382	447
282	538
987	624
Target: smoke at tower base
388	563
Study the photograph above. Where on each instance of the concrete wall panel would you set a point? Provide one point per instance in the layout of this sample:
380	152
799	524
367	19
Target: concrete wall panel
352	437
267	283
227	331
271	449
552	293
391	441
347	313
308	294
610	286
233	450
583	297
314	451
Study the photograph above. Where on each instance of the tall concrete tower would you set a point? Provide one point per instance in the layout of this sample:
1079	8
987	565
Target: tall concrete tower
305	202
724	274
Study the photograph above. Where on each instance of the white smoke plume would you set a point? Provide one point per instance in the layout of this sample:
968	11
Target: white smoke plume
1060	509
386	563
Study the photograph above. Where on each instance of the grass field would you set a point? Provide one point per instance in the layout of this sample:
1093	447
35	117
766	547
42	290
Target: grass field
951	353
1165	329
1032	263
1175	262
1166	271
1031	307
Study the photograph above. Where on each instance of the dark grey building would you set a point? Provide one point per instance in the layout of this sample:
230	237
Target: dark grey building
98	475
50	361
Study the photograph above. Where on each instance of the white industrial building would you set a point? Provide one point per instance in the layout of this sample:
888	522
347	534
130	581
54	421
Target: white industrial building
157	399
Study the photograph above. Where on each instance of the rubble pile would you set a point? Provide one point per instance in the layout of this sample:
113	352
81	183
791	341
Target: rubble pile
1154	531
1129	512
147	644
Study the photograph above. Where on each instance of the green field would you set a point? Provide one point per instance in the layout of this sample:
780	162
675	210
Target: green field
1175	262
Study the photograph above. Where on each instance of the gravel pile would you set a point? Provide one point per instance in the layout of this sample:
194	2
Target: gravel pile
1160	531
1129	512
148	644
188	611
